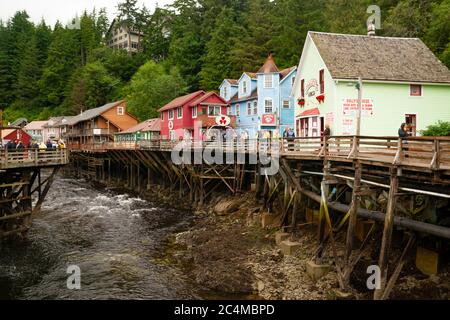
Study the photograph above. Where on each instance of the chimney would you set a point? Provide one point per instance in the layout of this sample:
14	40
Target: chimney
371	29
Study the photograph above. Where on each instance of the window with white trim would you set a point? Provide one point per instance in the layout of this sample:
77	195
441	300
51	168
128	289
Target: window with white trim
225	93
286	104
255	107
249	108
268	105
171	114
229	111
244	87
172	135
179	113
415	90
213	111
238	110
268	81
120	111
194	112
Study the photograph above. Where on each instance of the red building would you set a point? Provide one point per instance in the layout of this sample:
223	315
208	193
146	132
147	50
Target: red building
178	116
15	134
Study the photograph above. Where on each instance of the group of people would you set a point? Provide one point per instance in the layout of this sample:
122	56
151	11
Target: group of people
18	145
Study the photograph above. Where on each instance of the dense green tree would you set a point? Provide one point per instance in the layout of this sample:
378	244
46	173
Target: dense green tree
409	18
217	63
438	32
151	88
292	20
63	58
158	35
188	40
253	45
91	86
347	16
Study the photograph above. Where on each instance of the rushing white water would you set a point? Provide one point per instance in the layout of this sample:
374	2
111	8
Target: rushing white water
113	238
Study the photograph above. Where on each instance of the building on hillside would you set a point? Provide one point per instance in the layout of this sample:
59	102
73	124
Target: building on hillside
119	36
15	134
145	131
54	128
402	82
262	101
98	125
36	130
180	117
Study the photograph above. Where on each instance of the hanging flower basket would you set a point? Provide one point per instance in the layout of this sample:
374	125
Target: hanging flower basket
301	102
321	98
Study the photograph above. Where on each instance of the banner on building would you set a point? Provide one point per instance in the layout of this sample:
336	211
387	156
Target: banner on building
350	107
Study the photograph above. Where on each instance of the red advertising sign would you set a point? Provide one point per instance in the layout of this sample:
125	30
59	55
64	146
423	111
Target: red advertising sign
268	119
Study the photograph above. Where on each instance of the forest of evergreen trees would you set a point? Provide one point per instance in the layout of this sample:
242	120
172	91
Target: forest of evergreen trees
191	44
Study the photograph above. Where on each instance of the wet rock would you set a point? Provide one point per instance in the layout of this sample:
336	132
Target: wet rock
226	207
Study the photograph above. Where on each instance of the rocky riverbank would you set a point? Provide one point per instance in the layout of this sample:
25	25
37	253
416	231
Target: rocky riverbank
229	252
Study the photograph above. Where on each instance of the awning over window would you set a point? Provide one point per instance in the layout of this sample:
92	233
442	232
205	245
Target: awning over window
309	113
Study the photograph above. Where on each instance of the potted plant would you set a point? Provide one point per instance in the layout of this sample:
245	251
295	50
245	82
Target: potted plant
320	98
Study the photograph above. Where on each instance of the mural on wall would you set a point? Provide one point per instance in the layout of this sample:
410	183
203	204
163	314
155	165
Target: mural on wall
311	91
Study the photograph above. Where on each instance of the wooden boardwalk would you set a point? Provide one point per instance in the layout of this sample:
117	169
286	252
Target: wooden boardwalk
417	154
33	158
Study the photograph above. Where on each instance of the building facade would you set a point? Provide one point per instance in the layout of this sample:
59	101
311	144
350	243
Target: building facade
262	101
184	115
402	82
36	130
98	125
119	36
145	131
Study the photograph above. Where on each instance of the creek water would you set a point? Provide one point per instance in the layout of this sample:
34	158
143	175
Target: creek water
115	239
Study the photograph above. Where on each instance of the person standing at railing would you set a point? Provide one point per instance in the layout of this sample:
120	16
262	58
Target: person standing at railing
21	151
290	139
403	135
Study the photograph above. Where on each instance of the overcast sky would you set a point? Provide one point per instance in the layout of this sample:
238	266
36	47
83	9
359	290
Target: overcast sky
64	10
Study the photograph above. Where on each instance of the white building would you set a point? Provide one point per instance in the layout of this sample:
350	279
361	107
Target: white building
119	36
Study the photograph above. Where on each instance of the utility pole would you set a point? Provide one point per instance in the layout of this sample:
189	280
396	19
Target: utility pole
358	113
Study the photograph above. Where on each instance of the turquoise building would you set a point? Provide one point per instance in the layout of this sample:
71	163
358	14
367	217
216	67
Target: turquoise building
262	101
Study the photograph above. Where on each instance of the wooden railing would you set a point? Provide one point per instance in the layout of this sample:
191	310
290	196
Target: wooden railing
33	158
423	152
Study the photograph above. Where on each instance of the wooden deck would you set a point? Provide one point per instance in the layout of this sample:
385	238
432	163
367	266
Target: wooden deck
427	154
33	158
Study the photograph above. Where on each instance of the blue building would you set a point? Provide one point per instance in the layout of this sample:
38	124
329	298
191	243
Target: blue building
262	101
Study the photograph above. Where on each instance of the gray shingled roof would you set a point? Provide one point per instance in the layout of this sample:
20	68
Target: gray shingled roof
92	113
379	58
235	98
